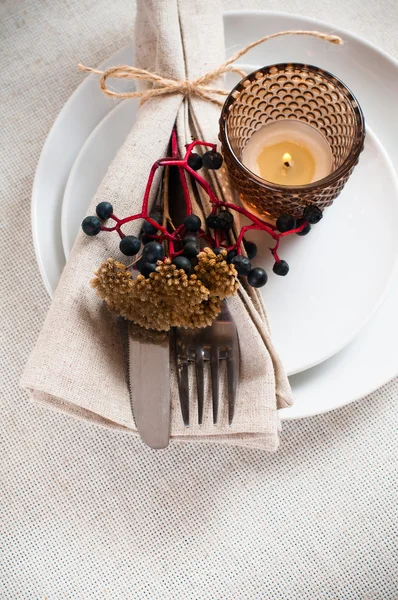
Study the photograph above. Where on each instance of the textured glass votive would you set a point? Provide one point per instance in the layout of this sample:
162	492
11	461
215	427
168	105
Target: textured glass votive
291	91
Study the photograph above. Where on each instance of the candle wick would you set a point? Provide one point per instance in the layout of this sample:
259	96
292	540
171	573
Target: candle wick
287	160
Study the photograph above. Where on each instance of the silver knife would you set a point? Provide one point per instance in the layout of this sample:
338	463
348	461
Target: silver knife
149	365
149	375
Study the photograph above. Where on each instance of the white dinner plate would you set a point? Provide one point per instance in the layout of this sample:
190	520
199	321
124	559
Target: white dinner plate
372	358
328	292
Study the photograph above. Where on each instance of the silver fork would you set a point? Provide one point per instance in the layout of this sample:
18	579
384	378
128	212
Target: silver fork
217	342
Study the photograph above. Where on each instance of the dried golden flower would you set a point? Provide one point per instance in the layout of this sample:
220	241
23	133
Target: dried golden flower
216	274
167	298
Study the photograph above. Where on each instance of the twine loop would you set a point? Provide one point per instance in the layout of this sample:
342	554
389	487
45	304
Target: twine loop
199	87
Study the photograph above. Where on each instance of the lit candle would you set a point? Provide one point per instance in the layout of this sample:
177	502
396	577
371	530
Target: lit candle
288	152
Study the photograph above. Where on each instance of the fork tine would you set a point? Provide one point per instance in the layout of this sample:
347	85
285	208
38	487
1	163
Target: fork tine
182	378
199	355
233	378
184	392
214	368
183	389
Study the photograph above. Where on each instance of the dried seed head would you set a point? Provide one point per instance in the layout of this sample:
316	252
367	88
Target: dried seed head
157	302
216	274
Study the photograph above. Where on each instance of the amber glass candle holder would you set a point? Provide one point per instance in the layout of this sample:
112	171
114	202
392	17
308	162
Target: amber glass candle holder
291	91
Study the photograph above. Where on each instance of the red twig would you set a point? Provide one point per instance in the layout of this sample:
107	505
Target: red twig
241	234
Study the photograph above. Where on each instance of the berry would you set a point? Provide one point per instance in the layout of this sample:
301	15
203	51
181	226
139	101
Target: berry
230	255
190	237
91	225
195	161
312	214
222	220
213	221
281	268
285	223
145	239
192	223
306	229
212	160
149	228
182	263
257	277
129	245
242	264
146	268
217	251
191	249
153	252
226	220
104	210
251	249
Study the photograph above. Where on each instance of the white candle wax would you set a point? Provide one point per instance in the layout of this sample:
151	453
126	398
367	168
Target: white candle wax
288	152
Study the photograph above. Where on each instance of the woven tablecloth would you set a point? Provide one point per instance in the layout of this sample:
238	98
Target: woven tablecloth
87	513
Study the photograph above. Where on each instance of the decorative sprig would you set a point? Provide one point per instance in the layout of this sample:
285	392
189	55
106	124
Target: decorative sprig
184	243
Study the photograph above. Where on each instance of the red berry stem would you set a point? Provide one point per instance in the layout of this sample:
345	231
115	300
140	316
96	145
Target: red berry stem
148	187
238	243
174	143
274	250
205	185
211	241
187	197
176	155
297	230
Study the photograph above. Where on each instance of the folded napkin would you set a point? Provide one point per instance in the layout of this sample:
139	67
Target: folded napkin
79	364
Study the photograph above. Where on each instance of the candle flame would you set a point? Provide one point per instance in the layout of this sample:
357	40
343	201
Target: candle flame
287	160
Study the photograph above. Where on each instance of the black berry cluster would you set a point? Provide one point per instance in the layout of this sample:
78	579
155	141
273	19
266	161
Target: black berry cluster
152	250
92	225
311	215
186	259
285	223
209	160
256	276
223	220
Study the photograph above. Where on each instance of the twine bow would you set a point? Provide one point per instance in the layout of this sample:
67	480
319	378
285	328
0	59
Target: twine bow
198	87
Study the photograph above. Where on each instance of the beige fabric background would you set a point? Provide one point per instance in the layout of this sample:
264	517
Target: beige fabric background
87	513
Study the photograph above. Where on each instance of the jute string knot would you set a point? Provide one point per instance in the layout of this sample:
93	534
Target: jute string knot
198	87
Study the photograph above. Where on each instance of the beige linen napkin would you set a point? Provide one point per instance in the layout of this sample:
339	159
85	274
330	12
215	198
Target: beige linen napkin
79	364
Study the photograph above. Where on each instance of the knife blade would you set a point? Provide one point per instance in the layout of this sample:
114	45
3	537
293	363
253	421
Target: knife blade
149	375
